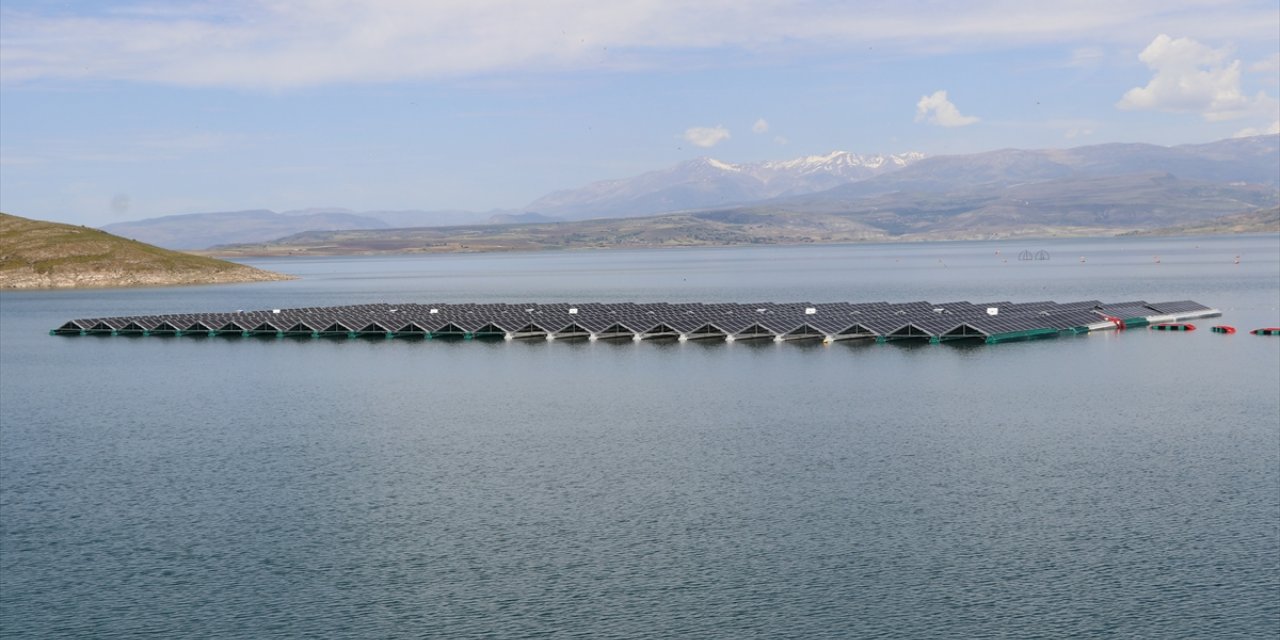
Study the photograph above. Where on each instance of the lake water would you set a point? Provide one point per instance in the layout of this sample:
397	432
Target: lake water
1106	485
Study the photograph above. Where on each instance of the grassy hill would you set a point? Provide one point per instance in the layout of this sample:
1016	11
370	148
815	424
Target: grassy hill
46	255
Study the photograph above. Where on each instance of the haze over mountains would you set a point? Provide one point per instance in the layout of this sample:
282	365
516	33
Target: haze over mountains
698	183
706	182
1100	188
200	230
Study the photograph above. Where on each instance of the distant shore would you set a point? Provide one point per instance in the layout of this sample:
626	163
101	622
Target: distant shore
431	241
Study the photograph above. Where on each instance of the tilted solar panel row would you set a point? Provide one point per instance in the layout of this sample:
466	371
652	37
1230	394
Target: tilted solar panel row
687	319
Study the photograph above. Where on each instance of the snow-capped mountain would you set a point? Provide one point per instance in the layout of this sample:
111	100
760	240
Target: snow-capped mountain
842	163
708	182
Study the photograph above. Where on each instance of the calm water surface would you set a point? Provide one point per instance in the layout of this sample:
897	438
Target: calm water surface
1108	485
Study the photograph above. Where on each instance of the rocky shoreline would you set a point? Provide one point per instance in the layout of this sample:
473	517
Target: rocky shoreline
22	279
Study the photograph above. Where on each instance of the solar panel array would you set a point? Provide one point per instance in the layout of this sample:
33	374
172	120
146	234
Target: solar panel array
689	321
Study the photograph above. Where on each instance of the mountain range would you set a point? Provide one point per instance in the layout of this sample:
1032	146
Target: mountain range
698	183
200	230
1109	188
706	182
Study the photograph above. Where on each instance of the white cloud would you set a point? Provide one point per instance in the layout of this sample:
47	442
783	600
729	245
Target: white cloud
1193	78
1252	131
706	136
761	126
268	44
937	109
781	140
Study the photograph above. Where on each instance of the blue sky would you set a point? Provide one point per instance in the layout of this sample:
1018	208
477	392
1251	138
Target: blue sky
115	111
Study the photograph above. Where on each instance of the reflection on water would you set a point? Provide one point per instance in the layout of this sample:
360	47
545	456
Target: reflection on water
1114	484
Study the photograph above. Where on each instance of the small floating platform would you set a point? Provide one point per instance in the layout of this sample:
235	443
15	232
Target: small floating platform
1266	331
1223	328
921	321
1174	326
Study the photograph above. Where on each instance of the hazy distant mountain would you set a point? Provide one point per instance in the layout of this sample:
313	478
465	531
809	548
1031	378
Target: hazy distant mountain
1098	190
201	230
1073	206
707	182
419	218
700	183
519	218
1253	160
1109	188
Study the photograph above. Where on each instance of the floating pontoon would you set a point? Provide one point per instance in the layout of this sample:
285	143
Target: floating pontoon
990	322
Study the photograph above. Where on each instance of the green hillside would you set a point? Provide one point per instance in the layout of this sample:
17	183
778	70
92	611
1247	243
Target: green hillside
44	255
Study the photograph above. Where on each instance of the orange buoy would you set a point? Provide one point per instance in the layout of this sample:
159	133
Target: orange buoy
1174	326
1266	331
1224	328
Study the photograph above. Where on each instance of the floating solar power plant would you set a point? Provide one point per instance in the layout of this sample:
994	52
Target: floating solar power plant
990	322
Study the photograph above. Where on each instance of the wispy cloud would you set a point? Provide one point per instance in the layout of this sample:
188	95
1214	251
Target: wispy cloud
279	45
115	149
706	136
761	126
1073	128
1086	57
937	109
1267	65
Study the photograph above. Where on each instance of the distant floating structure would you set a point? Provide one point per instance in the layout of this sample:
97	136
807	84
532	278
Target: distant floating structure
989	322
